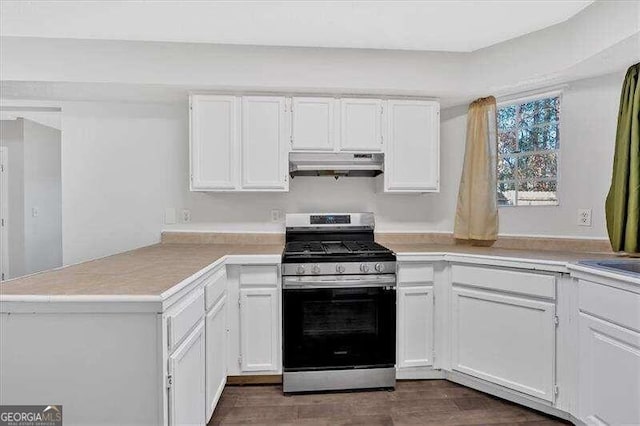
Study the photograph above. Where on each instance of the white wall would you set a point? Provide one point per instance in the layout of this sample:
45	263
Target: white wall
11	137
121	165
43	192
588	123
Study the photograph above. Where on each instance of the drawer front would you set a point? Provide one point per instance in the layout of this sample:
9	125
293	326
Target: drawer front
537	285
415	272
215	287
259	275
611	304
184	318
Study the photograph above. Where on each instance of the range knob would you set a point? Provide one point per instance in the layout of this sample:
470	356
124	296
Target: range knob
315	269
379	267
364	268
300	269
339	269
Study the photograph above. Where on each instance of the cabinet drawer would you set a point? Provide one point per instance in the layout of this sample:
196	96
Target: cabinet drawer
215	287
415	273
537	285
259	275
184	318
611	304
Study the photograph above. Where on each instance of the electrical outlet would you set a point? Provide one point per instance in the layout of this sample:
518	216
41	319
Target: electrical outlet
584	217
35	212
186	215
276	215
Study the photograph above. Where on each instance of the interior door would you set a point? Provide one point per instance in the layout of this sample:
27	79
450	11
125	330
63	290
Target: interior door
214	142
264	143
412	155
259	329
312	124
361	125
504	339
216	342
187	388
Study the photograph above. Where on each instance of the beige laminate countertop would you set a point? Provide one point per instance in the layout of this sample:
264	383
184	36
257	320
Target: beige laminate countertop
541	255
154	269
146	271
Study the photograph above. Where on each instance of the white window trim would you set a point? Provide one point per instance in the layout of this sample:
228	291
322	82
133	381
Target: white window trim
518	100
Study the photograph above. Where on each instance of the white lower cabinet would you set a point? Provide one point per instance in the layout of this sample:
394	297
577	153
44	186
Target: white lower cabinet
504	339
187	380
415	326
609	373
609	355
216	366
259	330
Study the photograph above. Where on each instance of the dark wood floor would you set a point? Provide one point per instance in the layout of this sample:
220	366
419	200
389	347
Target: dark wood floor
435	402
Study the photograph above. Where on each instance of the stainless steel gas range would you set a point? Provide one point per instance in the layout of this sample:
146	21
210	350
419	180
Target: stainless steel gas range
339	304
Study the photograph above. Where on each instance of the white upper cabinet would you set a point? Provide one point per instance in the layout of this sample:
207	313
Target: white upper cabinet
312	124
412	148
214	141
361	127
242	143
264	143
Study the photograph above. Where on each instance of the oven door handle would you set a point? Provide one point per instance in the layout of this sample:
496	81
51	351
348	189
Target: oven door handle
351	282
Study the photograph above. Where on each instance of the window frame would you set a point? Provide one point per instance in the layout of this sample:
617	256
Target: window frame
508	101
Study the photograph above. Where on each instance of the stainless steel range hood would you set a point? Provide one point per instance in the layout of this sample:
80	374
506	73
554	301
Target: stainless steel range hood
335	164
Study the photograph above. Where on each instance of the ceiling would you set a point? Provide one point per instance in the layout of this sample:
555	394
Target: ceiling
455	26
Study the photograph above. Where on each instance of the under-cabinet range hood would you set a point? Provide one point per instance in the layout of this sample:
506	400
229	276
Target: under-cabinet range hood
335	164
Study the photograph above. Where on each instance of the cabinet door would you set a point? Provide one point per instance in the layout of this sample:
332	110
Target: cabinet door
214	141
312	124
259	329
412	155
216	367
415	326
609	373
506	340
361	125
264	143
187	388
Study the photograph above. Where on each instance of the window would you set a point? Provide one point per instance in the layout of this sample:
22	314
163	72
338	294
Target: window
528	152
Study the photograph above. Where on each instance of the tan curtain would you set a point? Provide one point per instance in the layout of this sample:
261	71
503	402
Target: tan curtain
477	212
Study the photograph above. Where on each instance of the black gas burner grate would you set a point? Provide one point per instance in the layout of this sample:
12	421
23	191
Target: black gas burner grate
333	247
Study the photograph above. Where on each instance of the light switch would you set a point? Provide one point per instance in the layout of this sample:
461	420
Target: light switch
34	211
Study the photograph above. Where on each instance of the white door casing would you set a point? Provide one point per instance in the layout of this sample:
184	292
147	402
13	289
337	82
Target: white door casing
4	213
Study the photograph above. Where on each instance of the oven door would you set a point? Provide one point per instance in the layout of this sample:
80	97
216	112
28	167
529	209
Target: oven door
339	322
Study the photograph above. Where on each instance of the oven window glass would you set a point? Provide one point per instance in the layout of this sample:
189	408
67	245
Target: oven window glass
339	328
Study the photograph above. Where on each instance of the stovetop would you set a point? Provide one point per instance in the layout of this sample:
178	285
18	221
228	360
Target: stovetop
335	251
333	247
